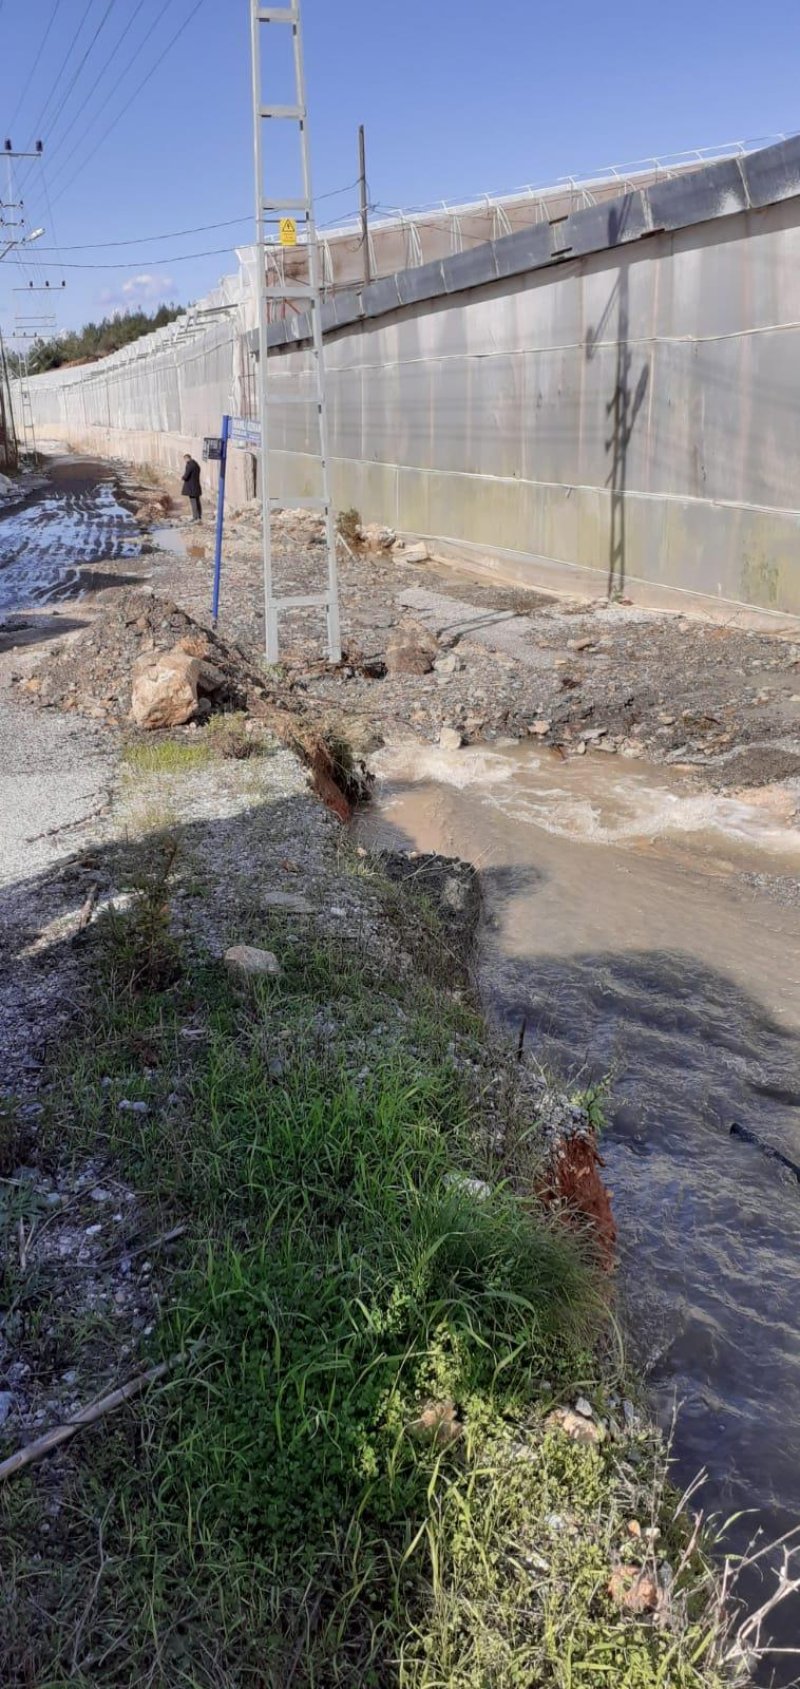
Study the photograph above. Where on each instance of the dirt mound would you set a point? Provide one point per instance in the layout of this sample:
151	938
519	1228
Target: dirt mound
93	674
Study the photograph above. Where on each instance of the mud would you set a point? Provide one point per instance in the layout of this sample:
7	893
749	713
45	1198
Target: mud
640	683
51	539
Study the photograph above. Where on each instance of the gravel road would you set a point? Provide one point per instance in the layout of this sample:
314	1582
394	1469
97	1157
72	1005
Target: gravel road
55	772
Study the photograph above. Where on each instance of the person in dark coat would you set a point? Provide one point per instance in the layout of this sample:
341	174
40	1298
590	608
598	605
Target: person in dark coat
191	488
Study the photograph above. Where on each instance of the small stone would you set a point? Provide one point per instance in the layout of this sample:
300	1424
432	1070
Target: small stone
450	739
539	728
438	1424
634	1528
125	1106
591	734
666	720
574	1426
580	644
417	553
92	1231
633	1590
248	962
291	901
471	1187
412	649
448	663
584	1408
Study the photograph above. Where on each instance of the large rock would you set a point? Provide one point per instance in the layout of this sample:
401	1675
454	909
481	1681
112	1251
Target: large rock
246	961
411	649
164	688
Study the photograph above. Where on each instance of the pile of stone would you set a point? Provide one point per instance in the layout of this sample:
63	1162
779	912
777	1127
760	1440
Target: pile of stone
145	660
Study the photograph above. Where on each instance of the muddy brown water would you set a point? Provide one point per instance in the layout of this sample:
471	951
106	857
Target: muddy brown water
55	531
629	922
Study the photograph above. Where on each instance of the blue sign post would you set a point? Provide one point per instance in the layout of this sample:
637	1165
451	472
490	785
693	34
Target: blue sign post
223	458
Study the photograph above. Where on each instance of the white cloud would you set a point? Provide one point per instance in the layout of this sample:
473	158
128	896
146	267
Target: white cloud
146	286
144	289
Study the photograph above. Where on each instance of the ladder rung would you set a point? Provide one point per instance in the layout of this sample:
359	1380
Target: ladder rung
301	205
301	601
299	504
277	14
297	112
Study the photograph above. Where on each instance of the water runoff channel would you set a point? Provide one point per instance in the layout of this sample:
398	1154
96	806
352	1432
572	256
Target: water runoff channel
649	930
53	527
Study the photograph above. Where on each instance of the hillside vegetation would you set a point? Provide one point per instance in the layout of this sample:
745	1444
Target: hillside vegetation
97	340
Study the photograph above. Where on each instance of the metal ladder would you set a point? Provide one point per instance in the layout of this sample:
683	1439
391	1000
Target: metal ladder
28	443
269	208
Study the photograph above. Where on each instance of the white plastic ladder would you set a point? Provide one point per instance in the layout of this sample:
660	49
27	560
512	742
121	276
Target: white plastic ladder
268	208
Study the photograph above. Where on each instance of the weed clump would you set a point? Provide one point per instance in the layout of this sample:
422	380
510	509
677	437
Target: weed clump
141	954
348	524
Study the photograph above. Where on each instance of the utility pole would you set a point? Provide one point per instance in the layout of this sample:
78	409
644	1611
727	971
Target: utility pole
362	182
8	438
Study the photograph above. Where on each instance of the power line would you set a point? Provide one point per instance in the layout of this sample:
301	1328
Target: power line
81	111
36	61
61	169
40	119
179	258
141	240
95	38
194	9
176	234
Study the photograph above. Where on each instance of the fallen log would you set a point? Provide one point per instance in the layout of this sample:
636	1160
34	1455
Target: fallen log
747	1137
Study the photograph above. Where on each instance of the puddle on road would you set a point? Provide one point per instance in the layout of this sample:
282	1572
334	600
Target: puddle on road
169	539
48	539
627	922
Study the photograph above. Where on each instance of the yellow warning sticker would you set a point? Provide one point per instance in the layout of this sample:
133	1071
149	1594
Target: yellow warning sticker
288	231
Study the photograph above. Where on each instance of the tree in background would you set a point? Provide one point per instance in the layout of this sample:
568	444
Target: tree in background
97	340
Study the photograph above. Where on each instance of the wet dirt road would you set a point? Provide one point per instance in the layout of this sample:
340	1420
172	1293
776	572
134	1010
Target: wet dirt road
57	530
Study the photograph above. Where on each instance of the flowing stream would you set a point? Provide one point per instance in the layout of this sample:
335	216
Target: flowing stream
649	930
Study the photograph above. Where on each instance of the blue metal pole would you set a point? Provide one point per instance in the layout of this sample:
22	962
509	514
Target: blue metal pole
226	422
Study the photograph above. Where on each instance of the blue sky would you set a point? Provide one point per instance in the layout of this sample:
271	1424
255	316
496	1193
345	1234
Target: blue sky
458	98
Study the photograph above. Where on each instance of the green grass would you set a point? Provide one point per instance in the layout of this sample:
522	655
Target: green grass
166	756
280	1513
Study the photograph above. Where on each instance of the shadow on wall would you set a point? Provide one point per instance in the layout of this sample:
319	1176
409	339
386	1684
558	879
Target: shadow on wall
622	408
